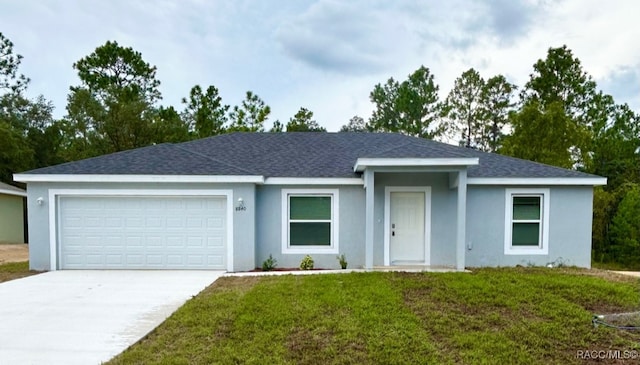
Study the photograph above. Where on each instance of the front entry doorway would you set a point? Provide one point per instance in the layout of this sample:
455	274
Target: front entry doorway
408	226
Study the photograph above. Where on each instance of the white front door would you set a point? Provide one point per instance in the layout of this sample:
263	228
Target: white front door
407	228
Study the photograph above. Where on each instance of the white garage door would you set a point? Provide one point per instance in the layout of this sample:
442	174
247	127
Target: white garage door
142	232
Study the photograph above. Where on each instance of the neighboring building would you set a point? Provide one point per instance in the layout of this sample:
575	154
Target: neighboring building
228	202
12	212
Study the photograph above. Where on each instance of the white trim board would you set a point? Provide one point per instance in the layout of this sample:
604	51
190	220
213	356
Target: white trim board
13	192
140	178
363	163
255	179
568	181
313	181
191	179
55	194
427	219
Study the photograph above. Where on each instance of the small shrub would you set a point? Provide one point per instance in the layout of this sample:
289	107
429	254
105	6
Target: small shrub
342	259
269	264
306	263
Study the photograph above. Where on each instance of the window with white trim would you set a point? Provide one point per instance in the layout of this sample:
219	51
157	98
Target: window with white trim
526	222
309	221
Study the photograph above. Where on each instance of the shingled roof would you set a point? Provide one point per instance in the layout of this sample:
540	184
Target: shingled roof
301	154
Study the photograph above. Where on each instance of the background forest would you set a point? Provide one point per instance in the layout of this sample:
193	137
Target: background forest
558	117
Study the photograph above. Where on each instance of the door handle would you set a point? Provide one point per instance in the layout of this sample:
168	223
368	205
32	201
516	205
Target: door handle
393	233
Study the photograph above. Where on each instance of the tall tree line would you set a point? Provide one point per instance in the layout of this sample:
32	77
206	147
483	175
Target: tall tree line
558	117
116	106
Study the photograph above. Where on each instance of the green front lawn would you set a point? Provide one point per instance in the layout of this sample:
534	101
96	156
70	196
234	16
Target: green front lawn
14	270
492	316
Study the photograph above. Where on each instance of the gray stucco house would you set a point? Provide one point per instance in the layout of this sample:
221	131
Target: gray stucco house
382	199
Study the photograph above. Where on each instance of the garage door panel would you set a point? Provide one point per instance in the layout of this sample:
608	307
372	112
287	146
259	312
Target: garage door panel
215	204
215	260
142	232
155	259
134	241
196	222
195	260
215	223
175	242
175	222
112	260
113	241
77	240
75	205
194	204
92	222
135	260
113	222
215	242
72	222
154	241
171	204
75	259
153	221
197	241
175	260
135	222
89	241
94	259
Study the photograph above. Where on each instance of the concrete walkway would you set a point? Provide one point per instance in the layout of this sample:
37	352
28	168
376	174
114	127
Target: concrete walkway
628	273
87	317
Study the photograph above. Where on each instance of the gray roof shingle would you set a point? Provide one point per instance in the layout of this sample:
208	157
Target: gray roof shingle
301	154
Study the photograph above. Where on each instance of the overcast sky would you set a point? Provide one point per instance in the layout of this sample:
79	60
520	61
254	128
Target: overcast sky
325	55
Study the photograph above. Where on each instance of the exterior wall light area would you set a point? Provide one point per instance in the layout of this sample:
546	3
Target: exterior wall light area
240	207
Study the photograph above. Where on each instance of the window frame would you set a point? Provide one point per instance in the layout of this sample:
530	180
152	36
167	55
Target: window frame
543	239
333	248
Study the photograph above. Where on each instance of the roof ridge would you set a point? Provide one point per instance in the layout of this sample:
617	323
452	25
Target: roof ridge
394	147
213	159
420	141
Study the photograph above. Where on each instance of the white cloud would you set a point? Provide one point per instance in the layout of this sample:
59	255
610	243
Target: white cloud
624	85
325	55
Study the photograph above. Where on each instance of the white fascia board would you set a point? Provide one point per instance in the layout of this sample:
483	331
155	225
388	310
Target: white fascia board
568	181
255	179
13	192
313	181
363	163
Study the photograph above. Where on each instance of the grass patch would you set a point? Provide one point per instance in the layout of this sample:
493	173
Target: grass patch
15	270
515	316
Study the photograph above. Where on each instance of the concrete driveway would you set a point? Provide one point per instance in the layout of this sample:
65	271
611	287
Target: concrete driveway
87	317
628	273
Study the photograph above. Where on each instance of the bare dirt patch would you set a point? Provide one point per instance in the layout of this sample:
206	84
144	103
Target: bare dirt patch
14	253
615	276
